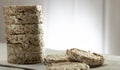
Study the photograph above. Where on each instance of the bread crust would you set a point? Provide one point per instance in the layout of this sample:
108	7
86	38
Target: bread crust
92	59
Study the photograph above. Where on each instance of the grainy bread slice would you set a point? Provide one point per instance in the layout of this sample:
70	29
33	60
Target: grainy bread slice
35	39
25	57
14	10
23	19
24	47
24	29
56	58
24	54
68	66
22	14
92	59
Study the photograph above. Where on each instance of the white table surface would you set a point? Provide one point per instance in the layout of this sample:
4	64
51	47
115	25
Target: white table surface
111	62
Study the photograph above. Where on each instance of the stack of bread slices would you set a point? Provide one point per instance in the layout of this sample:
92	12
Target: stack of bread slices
24	34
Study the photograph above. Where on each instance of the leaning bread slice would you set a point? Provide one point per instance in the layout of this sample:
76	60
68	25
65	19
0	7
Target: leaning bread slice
24	29
68	66
35	39
14	10
56	58
92	59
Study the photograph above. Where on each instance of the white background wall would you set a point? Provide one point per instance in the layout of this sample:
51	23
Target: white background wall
74	23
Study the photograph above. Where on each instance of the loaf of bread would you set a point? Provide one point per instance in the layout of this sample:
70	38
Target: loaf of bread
24	29
25	39
56	58
68	66
92	59
15	10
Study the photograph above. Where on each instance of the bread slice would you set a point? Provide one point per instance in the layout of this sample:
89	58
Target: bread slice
23	19
14	10
24	54
24	29
35	39
92	59
25	57
24	47
56	58
68	66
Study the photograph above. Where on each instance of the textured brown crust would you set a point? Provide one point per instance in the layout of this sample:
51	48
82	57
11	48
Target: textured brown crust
68	66
23	29
35	39
92	59
56	58
24	54
14	10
